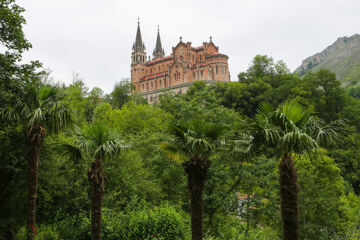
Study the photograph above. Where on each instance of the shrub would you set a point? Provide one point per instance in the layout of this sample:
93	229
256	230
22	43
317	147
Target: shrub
74	227
44	232
160	223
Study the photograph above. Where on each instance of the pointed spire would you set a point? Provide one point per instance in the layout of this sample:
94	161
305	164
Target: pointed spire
158	51
138	46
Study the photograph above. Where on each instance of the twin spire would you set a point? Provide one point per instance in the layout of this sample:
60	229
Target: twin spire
158	51
139	45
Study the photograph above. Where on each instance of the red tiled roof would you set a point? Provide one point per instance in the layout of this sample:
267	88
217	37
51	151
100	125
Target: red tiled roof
155	75
160	59
213	53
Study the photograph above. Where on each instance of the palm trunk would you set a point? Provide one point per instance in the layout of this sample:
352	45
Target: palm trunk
196	182
96	179
35	137
289	198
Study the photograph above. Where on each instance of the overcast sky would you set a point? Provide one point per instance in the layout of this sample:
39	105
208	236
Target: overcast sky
94	37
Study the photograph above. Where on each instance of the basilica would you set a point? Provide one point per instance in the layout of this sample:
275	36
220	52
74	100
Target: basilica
155	75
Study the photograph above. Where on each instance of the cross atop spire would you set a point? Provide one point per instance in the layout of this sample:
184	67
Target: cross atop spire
139	45
158	51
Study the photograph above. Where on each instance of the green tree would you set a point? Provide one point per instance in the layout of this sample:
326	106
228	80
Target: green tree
195	143
325	208
123	92
290	129
325	93
97	142
40	110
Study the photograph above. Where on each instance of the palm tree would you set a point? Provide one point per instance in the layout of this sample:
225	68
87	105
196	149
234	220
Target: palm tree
290	129
194	144
40	110
97	142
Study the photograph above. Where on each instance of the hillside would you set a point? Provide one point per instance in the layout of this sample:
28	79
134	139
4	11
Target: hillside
342	57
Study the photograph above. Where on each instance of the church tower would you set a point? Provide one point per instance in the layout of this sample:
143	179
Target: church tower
158	51
138	58
138	54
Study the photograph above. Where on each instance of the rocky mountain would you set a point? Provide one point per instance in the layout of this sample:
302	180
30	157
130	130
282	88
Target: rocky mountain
342	57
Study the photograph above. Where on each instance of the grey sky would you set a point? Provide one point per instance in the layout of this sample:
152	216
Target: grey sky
94	37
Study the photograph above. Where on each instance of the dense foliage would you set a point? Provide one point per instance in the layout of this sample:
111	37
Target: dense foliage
146	194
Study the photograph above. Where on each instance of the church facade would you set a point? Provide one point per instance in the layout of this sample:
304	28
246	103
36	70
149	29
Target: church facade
175	72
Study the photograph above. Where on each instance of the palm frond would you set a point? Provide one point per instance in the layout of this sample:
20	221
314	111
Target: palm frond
298	142
72	152
331	134
173	153
193	138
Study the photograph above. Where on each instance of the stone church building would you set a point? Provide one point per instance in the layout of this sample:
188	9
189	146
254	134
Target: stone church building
175	72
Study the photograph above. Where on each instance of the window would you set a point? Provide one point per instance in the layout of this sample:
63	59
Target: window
159	68
193	57
194	75
217	69
160	83
151	84
151	98
200	57
175	76
150	70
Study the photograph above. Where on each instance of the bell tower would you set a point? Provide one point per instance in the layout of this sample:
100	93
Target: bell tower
138	58
138	50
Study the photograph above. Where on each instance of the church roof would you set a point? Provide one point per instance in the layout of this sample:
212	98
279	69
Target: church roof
160	59
158	51
138	45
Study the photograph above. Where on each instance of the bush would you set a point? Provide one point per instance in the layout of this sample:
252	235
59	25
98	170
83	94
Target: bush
160	223
253	234
74	227
44	232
